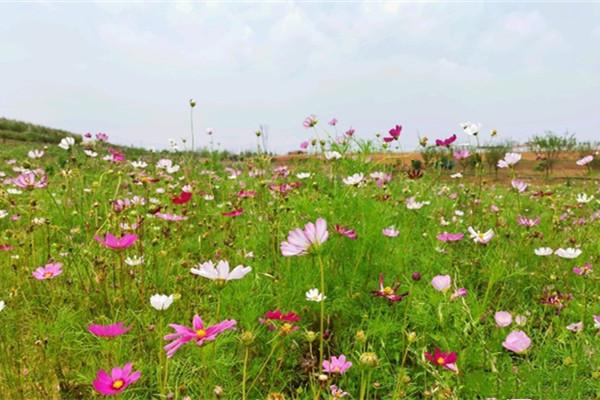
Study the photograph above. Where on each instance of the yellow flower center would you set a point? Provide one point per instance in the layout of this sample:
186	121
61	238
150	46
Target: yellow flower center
286	328
200	333
47	274
118	384
441	361
388	290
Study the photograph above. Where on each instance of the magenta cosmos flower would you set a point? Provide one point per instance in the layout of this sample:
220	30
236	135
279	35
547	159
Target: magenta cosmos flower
450	237
336	365
517	341
389	292
234	213
299	241
48	271
445	142
118	380
284	322
198	333
112	242
31	180
111	330
443	359
344	231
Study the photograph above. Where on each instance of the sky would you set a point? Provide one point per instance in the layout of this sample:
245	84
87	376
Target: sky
128	69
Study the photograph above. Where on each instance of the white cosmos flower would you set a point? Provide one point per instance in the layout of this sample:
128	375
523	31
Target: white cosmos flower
164	163
481	238
583	198
568	253
315	295
353	180
457	175
161	301
332	155
139	164
543	251
13	191
172	169
471	128
2	305
33	154
66	143
134	261
221	271
509	160
91	153
3	214
303	175
413	204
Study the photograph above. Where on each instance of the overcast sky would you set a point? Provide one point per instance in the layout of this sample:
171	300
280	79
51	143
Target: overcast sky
128	69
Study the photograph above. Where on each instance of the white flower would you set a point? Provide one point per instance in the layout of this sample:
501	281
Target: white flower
470	128
303	175
3	214
173	169
13	191
160	190
332	155
2	305
139	164
457	175
33	154
38	221
568	253
208	197
315	295
583	198
91	153
413	204
161	301
134	261
509	160
353	180
543	251
66	143
163	163
221	271
481	238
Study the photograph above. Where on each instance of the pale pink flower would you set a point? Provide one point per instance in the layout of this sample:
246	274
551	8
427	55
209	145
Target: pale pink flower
48	271
441	283
519	185
336	365
299	241
517	341
575	327
585	160
390	231
503	319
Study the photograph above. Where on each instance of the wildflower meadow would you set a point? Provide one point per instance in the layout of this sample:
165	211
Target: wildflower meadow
339	272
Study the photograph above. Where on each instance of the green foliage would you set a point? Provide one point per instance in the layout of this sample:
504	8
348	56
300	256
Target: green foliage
549	147
24	131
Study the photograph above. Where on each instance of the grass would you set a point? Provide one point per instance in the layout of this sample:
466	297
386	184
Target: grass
47	352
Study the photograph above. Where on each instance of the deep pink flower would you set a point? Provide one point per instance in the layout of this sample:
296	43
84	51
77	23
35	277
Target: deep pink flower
583	270
111	330
336	365
394	134
198	333
234	213
348	232
350	132
460	292
116	155
389	292
299	241
31	180
112	242
101	137
445	142
182	198
5	247
48	271
450	237
443	359
246	194
118	380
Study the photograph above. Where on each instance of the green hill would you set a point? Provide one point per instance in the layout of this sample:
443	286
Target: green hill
13	130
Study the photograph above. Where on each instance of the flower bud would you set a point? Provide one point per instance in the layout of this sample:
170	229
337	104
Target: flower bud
360	336
369	359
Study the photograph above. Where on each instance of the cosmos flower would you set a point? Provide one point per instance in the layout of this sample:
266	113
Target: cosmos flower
575	327
315	295
461	154
111	330
117	381
596	319
481	238
450	237
336	365
528	222
517	342
583	198
394	134
161	302
441	283
233	213
197	333
390	231
2	305
48	271
569	253
332	155
220	272
344	231
114	243
503	319
66	143
389	292
337	393
304	145
170	217
31	180
277	320
310	121
413	204
460	292
585	160
470	128
34	154
585	269
134	261
333	122
300	241
519	185
543	251
445	142
353	180
442	359
509	160
182	198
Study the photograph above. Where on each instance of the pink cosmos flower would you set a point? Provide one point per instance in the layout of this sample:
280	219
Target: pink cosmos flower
284	322
48	271
394	134
461	154
31	180
596	319
5	247
585	160
450	237
503	319
234	213
116	155
519	185
198	333
336	365
390	231
337	393
310	121
101	137
182	198
445	142
114	243
348	232
246	194
333	122
441	283
299	241
110	330
350	132
585	269
446	360
304	145
389	292
517	341
170	217
460	292
528	222
575	327
118	380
